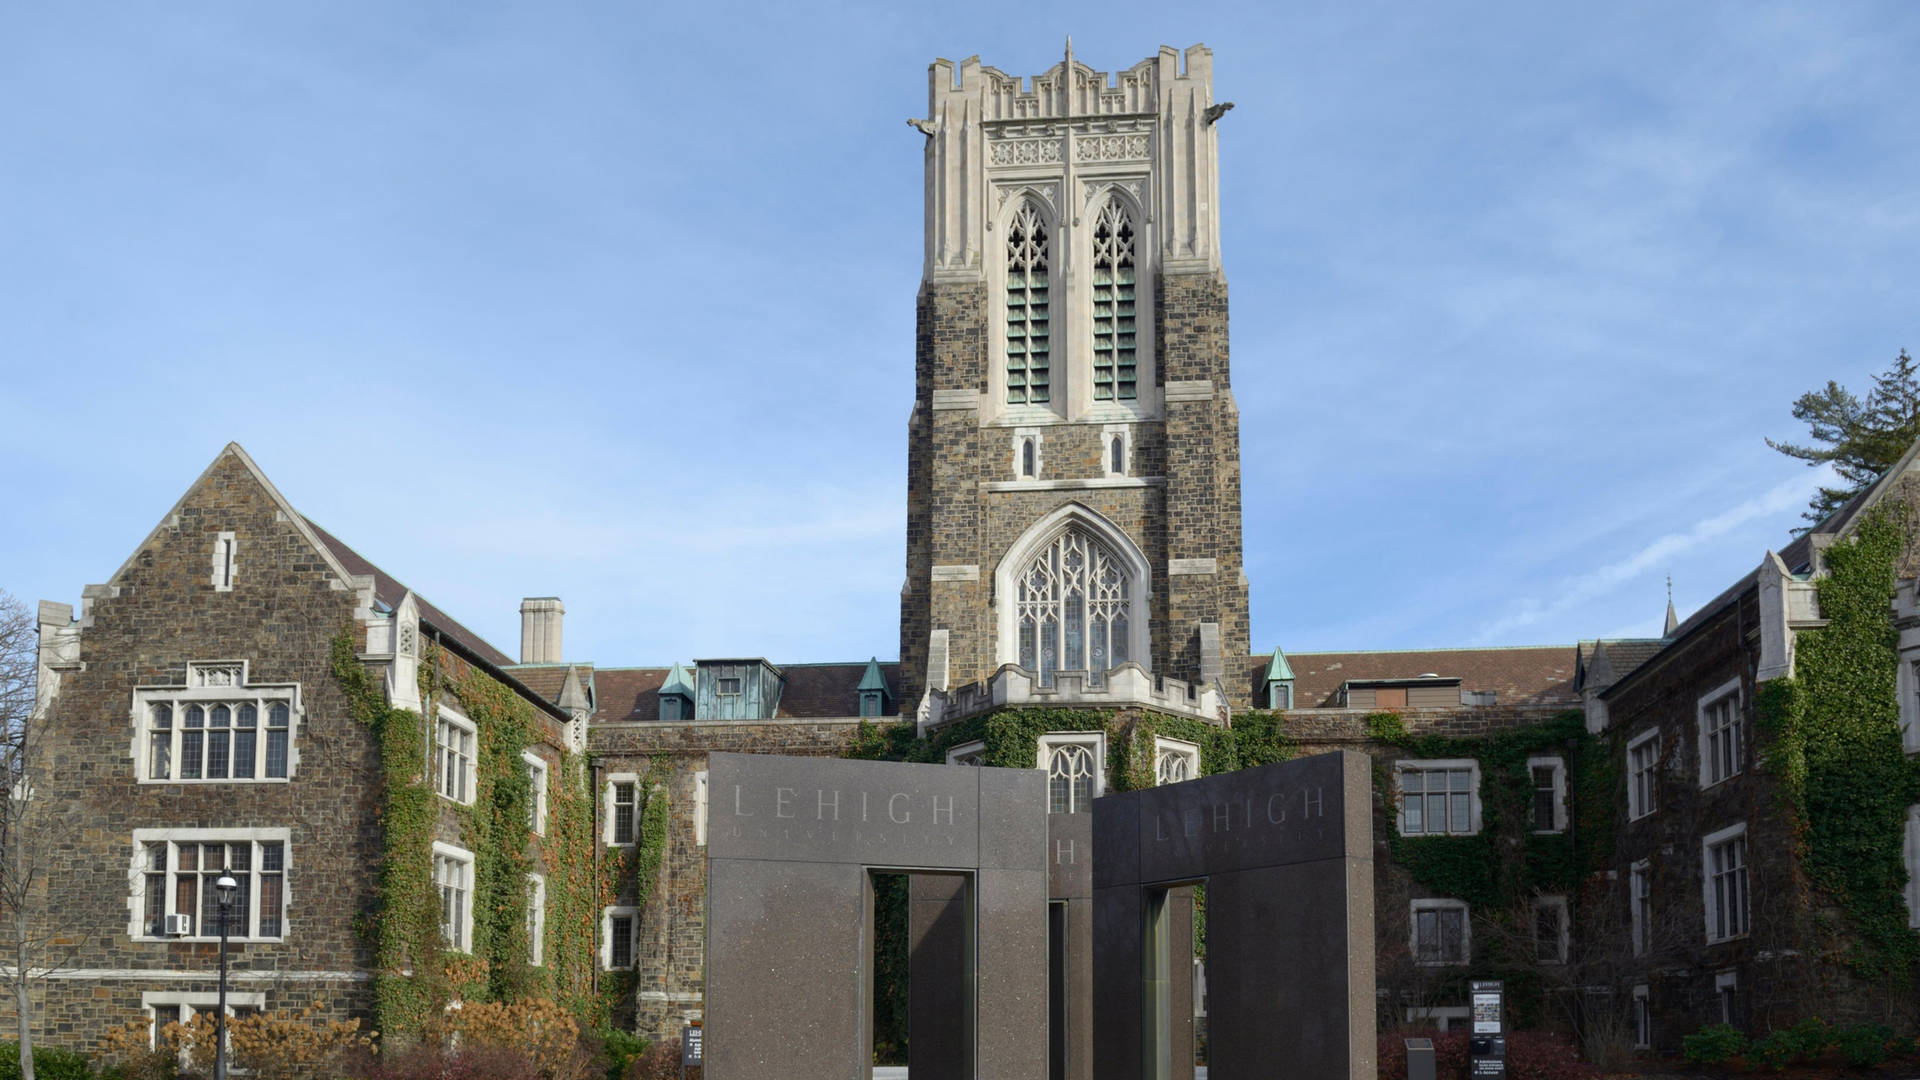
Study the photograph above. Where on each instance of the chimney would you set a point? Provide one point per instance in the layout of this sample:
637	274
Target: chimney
540	629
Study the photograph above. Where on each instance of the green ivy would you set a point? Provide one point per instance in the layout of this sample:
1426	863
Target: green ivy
1832	737
415	978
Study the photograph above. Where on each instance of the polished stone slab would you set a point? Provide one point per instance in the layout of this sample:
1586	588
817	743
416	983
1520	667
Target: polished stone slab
792	846
1286	853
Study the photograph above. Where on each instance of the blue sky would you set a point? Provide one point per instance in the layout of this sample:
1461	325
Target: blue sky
615	301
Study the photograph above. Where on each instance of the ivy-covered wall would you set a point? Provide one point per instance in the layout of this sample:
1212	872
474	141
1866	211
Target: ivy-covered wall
1831	738
416	976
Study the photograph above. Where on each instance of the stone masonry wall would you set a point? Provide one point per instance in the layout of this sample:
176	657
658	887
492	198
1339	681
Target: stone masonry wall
162	612
672	937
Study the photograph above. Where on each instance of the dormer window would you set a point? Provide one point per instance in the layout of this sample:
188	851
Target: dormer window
873	690
729	687
1028	337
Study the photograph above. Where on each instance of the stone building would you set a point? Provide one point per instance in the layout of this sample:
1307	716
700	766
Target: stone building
1074	602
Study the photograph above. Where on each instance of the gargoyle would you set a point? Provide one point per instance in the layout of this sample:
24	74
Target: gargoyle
1215	112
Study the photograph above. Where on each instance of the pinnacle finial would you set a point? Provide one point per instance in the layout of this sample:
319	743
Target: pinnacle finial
1673	620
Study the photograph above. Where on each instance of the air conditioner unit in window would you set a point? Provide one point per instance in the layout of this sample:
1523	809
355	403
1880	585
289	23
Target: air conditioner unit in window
179	925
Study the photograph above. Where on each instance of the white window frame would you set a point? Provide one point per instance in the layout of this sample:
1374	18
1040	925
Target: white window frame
232	687
137	879
1913	866
1559	766
1167	750
449	718
607	915
1438	903
1723	982
536	791
1640	906
536	919
1564	946
1637	807
191	1002
1095	741
1022	436
462	856
1406	765
1709	904
1642	1018
700	801
612	782
1735	730
968	753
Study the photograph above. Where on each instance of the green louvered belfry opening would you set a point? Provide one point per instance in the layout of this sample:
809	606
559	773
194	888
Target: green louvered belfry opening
1027	336
1113	310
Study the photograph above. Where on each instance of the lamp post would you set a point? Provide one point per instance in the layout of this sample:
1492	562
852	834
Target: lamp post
226	887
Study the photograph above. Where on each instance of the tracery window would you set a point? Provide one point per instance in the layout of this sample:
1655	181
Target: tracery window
1027	334
1074	609
219	727
178	869
1113	305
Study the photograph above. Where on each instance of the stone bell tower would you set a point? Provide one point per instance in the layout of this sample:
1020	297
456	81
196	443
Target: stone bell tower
1073	492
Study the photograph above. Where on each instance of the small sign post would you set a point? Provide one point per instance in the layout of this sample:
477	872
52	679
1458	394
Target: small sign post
692	1049
1487	1039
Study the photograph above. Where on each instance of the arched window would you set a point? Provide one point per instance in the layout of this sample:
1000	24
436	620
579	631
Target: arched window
1113	309
1118	462
1026	458
1074	609
1070	779
1027	334
1173	767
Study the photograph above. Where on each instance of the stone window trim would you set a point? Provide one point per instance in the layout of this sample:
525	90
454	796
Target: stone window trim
1721	728
1913	866
612	794
189	1002
701	797
456	774
1640	906
1642	1018
1041	534
210	684
1444	767
537	772
1029	460
1726	884
1175	760
453	879
1562	945
1116	450
1025	277
1056	753
225	548
968	753
138	928
1643	774
1559	767
1438	954
1907	675
608	917
1726	984
536	919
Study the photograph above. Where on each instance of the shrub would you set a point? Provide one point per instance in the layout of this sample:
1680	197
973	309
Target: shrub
1713	1044
429	1060
1531	1055
1804	1040
49	1063
660	1062
1864	1045
620	1047
535	1028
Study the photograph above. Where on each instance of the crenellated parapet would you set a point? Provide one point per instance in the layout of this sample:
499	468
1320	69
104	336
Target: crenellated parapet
1128	686
1065	137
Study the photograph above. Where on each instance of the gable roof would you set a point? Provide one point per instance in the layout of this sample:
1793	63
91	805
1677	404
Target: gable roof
388	591
1524	675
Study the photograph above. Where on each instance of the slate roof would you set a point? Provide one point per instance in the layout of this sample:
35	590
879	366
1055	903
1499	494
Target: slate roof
390	592
1526	675
632	693
1622	657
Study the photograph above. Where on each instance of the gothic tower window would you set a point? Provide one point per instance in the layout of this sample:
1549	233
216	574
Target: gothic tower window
1028	338
1075	609
1113	305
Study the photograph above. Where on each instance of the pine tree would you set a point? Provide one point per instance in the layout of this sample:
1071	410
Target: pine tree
1861	440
